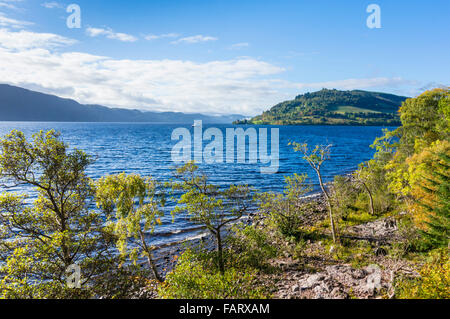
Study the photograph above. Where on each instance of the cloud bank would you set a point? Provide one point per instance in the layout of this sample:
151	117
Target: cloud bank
195	39
110	34
245	85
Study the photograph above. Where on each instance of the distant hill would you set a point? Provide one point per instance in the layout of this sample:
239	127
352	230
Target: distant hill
18	104
334	107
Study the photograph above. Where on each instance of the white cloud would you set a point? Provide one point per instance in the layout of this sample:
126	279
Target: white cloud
22	40
52	5
243	85
10	4
353	84
12	23
7	5
110	34
195	39
238	85
161	36
238	46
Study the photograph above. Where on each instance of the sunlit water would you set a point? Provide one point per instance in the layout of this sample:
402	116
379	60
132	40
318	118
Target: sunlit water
146	149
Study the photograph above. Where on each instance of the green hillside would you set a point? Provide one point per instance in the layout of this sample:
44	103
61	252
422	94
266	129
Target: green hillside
334	107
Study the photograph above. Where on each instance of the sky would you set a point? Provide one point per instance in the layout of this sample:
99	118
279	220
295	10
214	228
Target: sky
222	57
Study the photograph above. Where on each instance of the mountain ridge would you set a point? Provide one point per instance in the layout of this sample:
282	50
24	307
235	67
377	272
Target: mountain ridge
20	104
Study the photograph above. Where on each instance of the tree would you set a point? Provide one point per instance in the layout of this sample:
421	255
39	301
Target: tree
315	159
209	205
423	119
344	194
437	232
362	176
137	202
286	209
41	238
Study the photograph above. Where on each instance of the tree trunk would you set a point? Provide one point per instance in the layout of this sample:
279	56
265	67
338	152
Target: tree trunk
372	210
220	252
330	209
150	261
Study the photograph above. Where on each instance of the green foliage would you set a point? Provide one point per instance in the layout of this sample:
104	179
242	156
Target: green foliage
412	241
39	240
193	279
136	201
434	280
250	247
209	205
424	121
286	210
344	195
316	158
333	107
437	233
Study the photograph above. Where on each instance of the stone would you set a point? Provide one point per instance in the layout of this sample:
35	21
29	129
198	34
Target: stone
358	273
312	281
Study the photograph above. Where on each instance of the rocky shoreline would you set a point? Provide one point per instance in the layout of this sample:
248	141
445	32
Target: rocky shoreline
165	256
319	276
332	279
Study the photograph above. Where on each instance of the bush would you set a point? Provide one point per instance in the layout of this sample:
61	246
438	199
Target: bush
286	210
193	279
383	201
412	241
434	280
251	246
344	195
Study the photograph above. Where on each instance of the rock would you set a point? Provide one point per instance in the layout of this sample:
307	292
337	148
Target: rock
383	228
295	288
358	273
312	281
338	293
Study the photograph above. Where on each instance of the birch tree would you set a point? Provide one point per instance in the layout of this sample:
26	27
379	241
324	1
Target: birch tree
315	158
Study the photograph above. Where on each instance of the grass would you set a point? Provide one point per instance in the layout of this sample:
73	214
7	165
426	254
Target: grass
351	109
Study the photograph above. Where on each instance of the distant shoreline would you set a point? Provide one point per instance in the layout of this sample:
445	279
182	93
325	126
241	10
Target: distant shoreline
189	123
322	124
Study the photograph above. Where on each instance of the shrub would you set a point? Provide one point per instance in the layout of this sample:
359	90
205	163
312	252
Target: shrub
46	231
434	280
412	241
344	195
193	279
286	210
208	204
251	246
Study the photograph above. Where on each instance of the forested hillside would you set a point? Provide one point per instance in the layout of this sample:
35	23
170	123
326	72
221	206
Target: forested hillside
334	107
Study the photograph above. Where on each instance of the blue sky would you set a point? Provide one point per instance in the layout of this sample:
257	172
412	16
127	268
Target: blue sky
221	56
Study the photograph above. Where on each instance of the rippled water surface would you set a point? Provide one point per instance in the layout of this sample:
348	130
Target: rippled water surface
146	149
